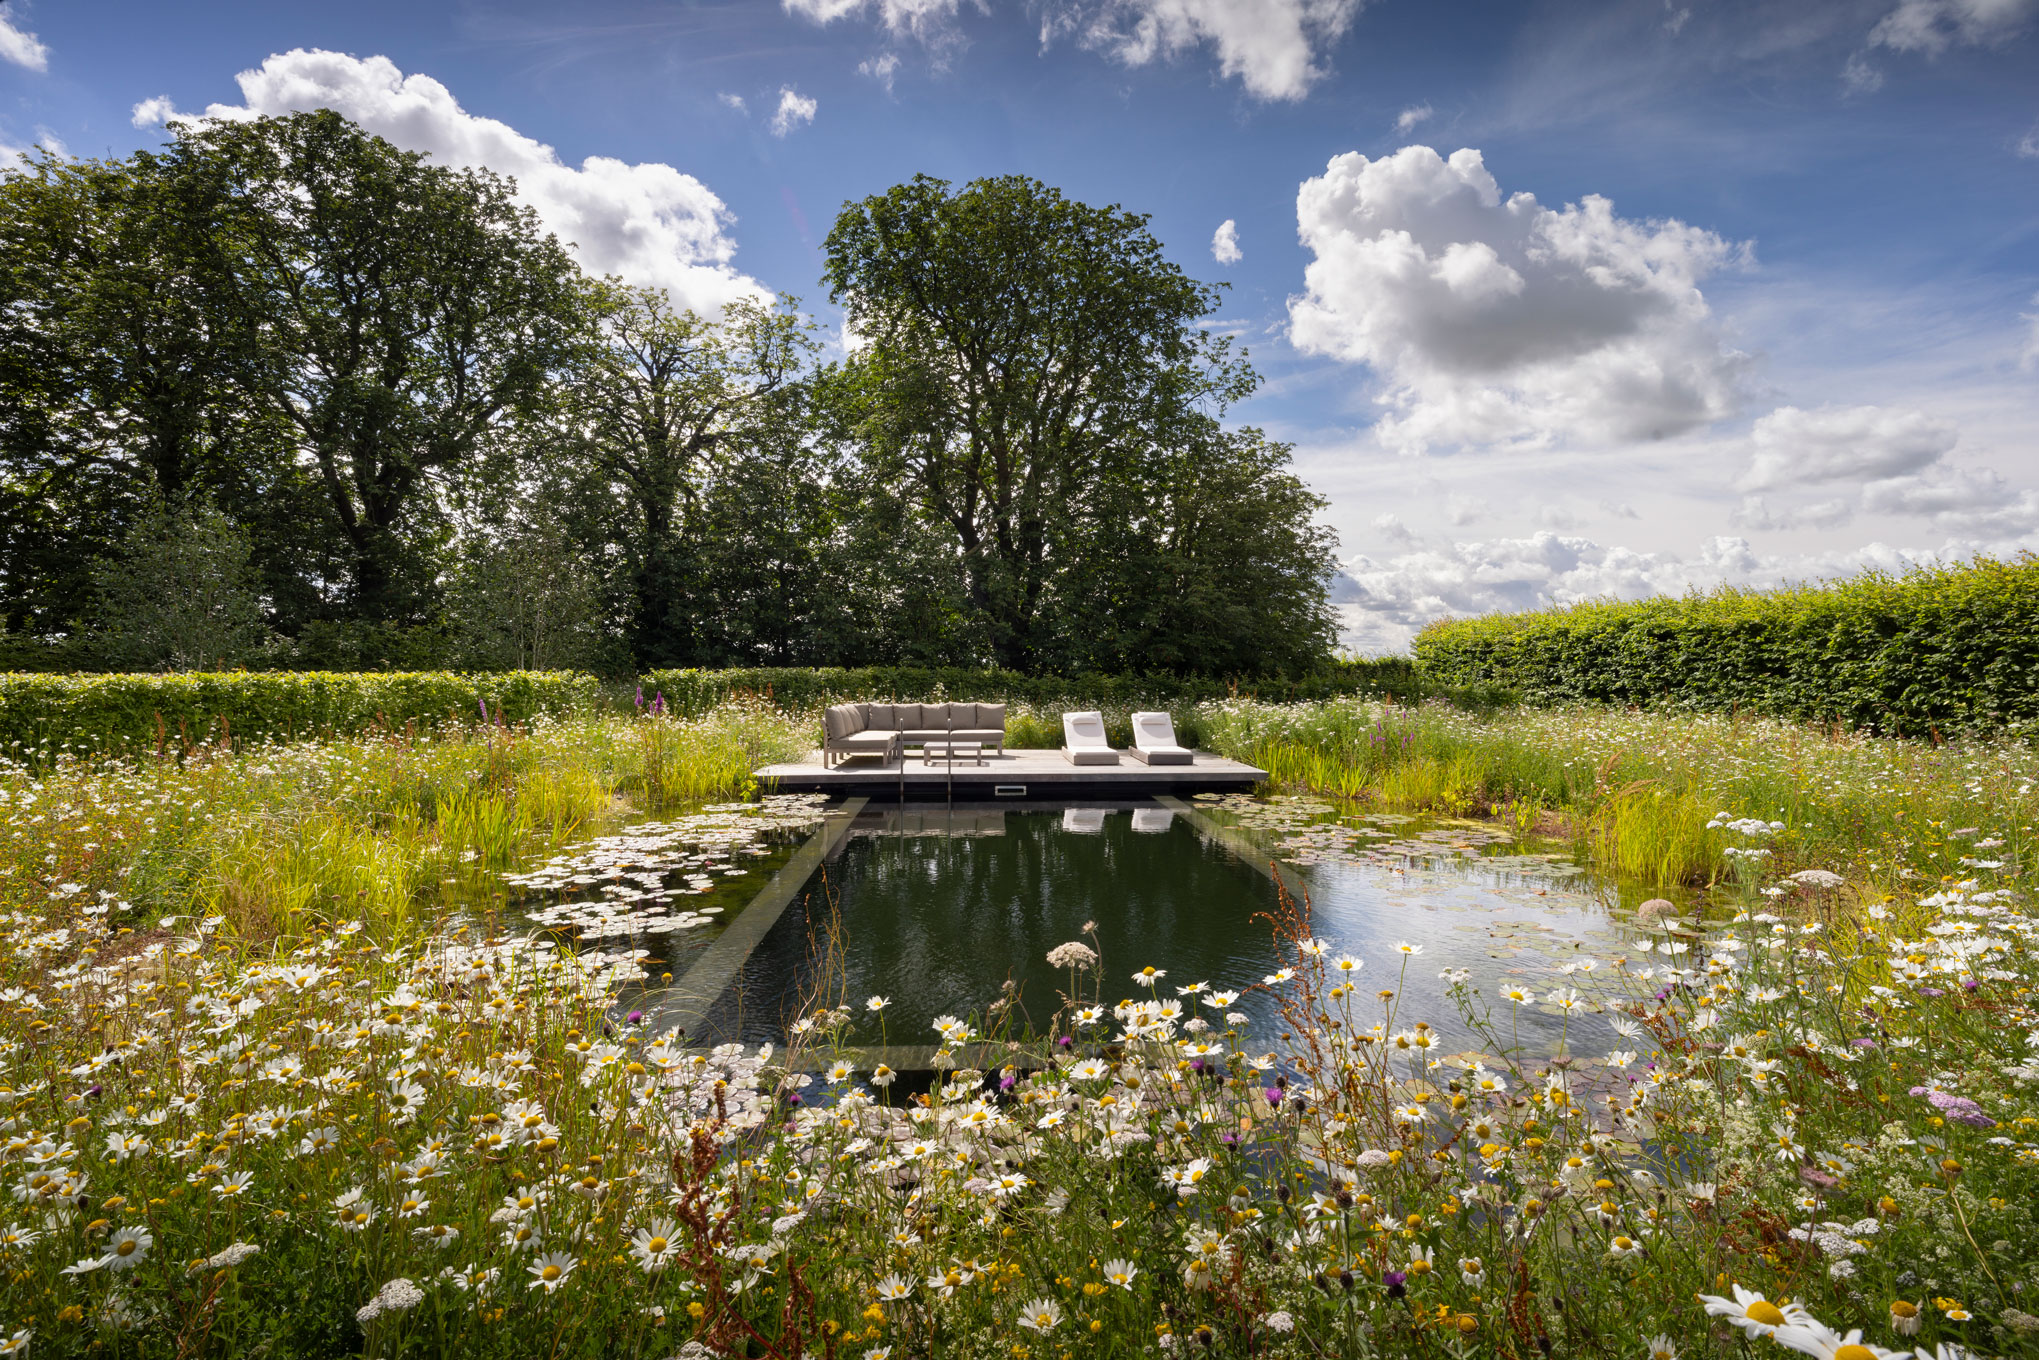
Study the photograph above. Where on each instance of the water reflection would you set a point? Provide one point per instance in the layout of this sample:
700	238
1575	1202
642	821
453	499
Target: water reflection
940	917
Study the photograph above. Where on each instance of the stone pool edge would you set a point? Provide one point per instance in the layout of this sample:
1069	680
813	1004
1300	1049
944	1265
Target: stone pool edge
697	990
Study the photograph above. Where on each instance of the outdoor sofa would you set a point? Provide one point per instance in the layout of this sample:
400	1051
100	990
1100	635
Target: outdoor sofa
886	730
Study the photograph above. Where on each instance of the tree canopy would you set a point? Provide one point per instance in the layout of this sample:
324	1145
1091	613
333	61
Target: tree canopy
1035	368
378	416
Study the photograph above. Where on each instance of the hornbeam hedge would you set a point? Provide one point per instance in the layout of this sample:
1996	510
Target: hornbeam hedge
43	714
792	687
1934	652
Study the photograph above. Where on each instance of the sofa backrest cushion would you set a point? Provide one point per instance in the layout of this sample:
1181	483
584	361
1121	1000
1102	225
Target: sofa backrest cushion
878	717
842	720
988	717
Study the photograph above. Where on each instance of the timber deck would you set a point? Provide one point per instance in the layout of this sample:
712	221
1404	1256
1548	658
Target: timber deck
1030	775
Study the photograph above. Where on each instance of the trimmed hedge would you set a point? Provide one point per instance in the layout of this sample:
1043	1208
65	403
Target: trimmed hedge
794	687
42	713
1934	652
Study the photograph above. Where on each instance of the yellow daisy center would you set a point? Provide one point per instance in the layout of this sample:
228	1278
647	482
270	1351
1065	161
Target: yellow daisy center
1765	1312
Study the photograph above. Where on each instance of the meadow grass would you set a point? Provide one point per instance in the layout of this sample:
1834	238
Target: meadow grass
270	835
334	1125
1642	792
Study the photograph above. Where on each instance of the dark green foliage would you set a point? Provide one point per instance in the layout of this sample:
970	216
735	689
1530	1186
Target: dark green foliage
1936	651
420	438
40	715
1038	382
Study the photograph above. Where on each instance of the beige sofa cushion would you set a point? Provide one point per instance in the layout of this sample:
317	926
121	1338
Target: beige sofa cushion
842	720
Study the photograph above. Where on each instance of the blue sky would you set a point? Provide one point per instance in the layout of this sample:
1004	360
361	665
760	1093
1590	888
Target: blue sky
1554	300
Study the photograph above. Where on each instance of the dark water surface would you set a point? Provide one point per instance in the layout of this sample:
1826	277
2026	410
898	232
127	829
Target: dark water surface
936	909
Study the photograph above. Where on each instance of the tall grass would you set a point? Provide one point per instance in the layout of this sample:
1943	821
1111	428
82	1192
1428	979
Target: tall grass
1638	791
274	837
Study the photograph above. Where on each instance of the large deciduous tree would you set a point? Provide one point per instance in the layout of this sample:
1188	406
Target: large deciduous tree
392	314
114	358
1026	360
661	398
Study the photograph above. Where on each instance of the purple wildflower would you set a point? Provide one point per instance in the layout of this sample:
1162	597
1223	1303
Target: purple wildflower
1958	1108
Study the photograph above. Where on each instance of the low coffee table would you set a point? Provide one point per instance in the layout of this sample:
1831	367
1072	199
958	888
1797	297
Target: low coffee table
952	751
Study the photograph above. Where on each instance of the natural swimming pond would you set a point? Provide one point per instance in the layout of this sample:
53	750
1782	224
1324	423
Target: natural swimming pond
938	908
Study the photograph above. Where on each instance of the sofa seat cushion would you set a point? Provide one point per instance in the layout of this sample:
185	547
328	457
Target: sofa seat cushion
865	741
985	735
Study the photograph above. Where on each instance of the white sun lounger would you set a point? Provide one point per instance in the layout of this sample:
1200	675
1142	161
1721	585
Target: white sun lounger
1154	741
1084	740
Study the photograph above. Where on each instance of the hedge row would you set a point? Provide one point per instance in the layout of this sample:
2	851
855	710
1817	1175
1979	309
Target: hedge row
1936	651
697	691
43	713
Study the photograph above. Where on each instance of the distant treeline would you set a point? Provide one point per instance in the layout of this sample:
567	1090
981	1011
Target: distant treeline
1940	650
281	396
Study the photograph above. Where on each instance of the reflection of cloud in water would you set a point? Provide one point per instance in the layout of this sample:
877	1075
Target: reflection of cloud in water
1469	897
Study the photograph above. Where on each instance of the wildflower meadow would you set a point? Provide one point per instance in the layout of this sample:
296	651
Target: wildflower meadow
280	1079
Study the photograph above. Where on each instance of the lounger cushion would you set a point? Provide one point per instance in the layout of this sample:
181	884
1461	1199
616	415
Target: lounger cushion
1090	755
1162	755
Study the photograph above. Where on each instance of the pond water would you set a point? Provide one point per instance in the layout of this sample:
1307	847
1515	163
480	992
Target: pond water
938	907
936	910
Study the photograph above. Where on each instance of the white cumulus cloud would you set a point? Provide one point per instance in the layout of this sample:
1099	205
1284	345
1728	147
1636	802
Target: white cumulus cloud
1495	320
1271	46
1843	444
1931	27
1408	118
154	112
1960	500
22	47
733	101
795	110
1225	243
648	222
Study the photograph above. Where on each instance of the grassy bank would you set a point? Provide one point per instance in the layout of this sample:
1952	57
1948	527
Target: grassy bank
1645	792
270	836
